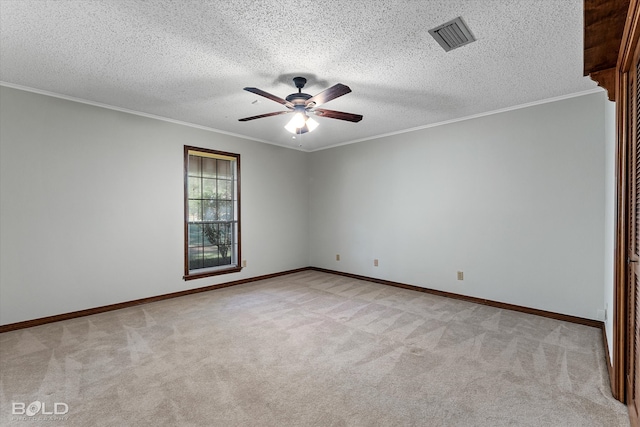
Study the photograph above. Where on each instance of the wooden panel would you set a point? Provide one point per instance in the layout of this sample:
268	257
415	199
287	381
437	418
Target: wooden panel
633	382
636	333
604	22
633	371
629	134
606	79
604	29
635	166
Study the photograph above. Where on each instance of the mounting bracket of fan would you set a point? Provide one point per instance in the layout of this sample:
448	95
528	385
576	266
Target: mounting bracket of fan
299	82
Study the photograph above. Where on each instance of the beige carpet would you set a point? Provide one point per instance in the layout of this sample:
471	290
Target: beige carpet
308	349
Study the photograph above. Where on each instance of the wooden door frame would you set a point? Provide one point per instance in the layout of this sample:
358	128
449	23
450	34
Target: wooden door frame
620	316
622	336
611	33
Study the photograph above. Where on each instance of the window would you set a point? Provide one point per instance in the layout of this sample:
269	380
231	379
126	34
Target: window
212	212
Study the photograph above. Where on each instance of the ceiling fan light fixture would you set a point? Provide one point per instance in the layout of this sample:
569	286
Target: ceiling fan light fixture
297	121
311	124
301	123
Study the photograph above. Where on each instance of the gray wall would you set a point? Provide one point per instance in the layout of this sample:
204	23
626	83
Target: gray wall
514	200
91	206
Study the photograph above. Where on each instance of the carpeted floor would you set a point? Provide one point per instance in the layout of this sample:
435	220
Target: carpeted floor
308	349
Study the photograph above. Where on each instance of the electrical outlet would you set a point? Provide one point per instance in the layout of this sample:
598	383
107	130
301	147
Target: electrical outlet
244	262
460	275
375	262
337	257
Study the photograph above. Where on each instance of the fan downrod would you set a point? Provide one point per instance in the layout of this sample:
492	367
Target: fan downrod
300	97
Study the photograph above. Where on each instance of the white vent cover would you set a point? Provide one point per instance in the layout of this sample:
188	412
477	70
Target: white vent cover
452	34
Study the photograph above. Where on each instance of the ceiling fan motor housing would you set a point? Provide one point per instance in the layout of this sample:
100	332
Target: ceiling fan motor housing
298	98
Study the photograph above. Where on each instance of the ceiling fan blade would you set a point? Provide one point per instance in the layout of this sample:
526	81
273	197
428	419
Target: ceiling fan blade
327	95
277	113
350	117
269	96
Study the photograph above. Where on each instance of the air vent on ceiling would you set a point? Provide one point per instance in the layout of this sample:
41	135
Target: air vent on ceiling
452	34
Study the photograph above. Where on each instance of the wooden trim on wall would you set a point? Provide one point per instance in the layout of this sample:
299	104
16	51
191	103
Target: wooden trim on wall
604	22
603	28
621	350
629	38
502	305
606	79
620	247
118	306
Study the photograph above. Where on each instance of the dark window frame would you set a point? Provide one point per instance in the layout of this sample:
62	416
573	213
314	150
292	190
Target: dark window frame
190	274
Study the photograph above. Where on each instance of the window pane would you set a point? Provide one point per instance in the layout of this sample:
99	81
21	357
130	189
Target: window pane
195	258
208	188
225	189
210	211
224	234
210	254
195	235
211	234
224	169
195	210
208	167
194	165
194	188
224	211
225	254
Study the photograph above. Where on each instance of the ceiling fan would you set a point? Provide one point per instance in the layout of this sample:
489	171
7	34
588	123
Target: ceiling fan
302	103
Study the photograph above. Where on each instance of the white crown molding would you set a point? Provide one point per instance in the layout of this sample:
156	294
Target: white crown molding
475	116
166	119
137	113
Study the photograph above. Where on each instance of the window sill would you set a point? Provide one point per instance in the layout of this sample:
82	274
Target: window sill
193	276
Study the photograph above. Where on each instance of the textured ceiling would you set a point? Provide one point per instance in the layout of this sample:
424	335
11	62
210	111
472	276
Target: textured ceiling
189	60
